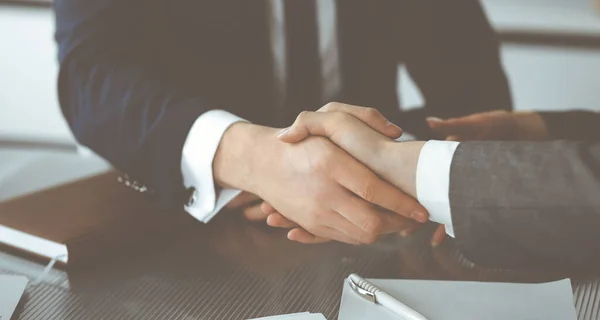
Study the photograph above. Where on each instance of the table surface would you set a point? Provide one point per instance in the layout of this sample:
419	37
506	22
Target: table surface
232	269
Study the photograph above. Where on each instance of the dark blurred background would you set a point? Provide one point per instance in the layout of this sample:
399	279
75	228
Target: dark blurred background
551	53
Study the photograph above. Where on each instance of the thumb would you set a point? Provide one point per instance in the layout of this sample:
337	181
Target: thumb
293	134
310	123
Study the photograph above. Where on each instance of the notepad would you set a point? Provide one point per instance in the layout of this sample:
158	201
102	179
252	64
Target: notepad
11	290
459	300
295	316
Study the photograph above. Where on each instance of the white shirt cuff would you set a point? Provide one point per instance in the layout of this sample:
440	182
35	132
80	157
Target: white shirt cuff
433	181
196	164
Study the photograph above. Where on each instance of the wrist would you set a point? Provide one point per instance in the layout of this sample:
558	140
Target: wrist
398	164
238	155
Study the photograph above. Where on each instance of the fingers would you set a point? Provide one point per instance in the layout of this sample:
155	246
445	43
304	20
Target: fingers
243	199
465	126
361	213
305	237
408	231
267	208
370	116
301	235
405	226
375	220
438	236
365	184
393	222
351	233
345	131
276	219
302	128
255	213
337	226
331	226
324	124
279	221
453	138
327	124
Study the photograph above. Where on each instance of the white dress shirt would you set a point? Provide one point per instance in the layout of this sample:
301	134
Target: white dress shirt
433	170
433	181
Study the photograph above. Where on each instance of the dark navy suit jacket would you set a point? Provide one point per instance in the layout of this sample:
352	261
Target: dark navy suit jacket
135	75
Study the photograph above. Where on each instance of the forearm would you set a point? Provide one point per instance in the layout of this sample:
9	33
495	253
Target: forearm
534	204
115	97
128	117
231	168
397	163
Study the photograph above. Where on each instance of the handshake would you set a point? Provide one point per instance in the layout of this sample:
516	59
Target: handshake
339	174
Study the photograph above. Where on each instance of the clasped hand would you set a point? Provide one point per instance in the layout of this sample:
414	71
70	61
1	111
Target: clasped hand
323	188
358	193
359	132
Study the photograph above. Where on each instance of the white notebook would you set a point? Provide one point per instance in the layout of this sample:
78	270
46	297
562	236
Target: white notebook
295	316
11	290
459	300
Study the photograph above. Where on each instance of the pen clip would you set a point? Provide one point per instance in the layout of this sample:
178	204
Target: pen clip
370	296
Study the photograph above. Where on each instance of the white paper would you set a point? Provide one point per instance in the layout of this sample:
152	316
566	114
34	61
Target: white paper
295	316
459	300
11	290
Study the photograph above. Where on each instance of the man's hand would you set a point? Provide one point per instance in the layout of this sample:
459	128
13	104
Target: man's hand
314	183
249	204
394	161
493	125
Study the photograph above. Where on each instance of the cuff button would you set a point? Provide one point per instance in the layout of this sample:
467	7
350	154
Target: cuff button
192	196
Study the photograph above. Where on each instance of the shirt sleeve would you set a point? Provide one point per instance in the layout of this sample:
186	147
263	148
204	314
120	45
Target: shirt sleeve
196	164
433	181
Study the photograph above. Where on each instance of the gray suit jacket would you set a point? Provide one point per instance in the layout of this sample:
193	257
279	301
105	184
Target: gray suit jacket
530	205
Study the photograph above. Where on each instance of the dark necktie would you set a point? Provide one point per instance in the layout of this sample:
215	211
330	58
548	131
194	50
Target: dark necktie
303	76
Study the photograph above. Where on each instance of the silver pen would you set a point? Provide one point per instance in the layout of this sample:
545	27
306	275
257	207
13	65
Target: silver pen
372	293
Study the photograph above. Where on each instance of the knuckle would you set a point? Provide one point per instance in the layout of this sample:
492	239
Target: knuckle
369	239
317	216
339	116
371	113
367	191
302	116
314	219
330	106
373	225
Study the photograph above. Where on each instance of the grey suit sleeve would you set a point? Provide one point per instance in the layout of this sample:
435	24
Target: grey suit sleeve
527	205
573	125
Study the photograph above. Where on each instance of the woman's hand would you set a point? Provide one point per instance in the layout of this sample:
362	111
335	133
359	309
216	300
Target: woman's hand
493	125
